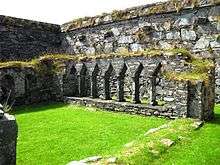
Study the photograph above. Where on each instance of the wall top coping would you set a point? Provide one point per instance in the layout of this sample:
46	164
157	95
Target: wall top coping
140	11
27	24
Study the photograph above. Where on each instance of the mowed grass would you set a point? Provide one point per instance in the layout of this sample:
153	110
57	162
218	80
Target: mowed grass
57	134
201	148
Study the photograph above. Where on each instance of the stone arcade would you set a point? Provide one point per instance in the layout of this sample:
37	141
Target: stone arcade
151	60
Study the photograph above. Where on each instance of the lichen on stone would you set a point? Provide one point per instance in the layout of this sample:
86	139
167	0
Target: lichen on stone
120	15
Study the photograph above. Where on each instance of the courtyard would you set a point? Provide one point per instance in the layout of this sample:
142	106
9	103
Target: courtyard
59	133
127	86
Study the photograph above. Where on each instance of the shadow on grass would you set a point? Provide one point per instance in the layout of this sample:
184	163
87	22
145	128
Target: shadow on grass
36	107
216	119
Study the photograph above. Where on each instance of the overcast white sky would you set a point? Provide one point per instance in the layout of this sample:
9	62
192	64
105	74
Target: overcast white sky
61	11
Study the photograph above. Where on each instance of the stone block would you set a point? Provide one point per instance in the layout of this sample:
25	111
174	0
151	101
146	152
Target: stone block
8	140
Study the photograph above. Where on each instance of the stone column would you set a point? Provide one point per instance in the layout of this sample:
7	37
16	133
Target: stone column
196	100
8	139
94	82
136	90
107	80
83	81
107	89
94	88
153	93
57	89
120	89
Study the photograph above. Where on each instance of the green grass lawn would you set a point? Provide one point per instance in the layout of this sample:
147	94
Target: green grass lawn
56	134
201	148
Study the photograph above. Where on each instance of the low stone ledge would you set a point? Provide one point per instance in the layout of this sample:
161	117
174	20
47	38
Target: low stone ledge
127	107
8	140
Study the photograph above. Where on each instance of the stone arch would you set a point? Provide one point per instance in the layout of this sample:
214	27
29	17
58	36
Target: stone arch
70	83
94	86
30	81
120	85
153	78
7	89
136	84
107	80
30	87
84	82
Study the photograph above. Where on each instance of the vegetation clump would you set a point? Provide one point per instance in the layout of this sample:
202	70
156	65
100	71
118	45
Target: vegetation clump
154	143
59	59
200	67
200	71
120	15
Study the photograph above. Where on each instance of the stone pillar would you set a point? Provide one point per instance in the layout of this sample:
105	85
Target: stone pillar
153	93
107	80
83	81
136	90
94	82
57	91
120	89
196	100
94	88
136	84
107	89
8	139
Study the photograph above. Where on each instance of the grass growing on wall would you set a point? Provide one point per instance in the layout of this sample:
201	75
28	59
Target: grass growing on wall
82	57
200	71
200	67
120	15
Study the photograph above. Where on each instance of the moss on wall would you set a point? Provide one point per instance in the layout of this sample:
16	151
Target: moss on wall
56	62
82	58
120	15
200	71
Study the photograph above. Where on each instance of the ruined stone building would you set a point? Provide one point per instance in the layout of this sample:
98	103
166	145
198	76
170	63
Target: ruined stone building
160	59
157	59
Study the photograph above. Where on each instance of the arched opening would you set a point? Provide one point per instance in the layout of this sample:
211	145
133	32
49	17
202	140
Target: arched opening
153	93
8	89
30	87
120	85
107	85
95	88
70	83
136	84
84	82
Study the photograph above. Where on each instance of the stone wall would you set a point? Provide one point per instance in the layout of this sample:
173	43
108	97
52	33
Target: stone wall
22	39
161	26
196	29
175	105
131	81
137	80
174	24
8	139
137	85
27	86
125	69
